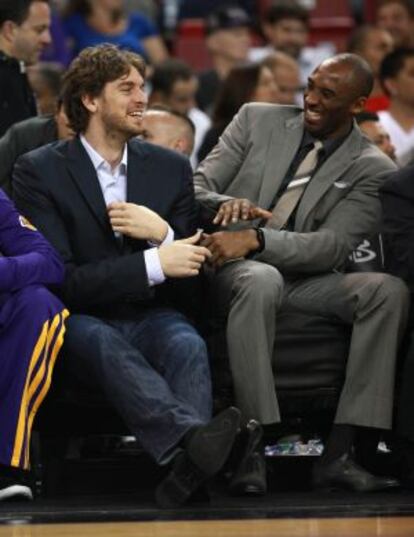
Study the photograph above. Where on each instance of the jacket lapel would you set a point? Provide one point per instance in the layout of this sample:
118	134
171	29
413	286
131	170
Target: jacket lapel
140	188
281	149
84	175
327	174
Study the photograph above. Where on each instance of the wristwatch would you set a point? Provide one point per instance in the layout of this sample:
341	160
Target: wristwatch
260	239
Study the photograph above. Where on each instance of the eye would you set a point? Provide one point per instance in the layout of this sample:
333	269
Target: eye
327	93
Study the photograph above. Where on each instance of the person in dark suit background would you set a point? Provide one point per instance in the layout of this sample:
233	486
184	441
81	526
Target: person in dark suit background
397	197
24	33
116	208
29	134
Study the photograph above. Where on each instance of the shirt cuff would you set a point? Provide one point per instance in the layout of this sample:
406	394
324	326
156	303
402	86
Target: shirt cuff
168	238
155	273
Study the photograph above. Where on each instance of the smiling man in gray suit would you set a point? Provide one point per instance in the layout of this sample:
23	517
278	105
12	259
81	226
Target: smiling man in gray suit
299	189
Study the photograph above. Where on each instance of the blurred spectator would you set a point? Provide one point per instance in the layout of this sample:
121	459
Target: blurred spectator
370	125
373	44
174	84
24	33
45	79
397	78
397	16
89	23
190	9
285	26
286	73
29	134
244	84
228	42
168	128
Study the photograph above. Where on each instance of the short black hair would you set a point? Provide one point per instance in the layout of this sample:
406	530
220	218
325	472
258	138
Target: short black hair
361	72
167	73
285	10
393	63
16	11
362	117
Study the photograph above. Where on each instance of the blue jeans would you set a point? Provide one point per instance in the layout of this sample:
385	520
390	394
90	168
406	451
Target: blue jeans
154	370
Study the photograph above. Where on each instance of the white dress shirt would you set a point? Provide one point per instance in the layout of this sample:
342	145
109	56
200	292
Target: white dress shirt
113	183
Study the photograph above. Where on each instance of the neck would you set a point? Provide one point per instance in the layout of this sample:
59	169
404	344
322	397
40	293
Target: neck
377	89
403	114
110	145
223	66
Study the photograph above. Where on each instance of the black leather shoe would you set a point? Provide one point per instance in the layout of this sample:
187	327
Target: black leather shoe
250	475
345	474
205	454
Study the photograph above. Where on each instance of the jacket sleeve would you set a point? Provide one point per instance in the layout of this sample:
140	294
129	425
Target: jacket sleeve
27	257
8	156
215	174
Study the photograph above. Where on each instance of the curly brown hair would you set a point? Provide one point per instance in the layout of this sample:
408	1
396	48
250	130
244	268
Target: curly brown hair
89	73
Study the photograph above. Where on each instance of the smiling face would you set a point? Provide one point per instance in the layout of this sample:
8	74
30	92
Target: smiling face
119	109
331	100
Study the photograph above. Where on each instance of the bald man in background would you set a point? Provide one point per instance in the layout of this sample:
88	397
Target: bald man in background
167	128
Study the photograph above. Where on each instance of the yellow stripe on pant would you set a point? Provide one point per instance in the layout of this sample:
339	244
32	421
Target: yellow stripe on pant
41	351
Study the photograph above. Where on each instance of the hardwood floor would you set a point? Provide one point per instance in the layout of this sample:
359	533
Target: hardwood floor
326	527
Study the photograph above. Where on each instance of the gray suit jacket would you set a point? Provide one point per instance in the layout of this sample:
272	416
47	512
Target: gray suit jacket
21	138
339	208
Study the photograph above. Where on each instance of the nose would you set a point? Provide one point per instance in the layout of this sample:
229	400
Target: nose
310	97
141	97
46	38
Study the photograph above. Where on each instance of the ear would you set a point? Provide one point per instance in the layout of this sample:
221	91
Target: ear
359	105
390	86
178	145
8	31
90	103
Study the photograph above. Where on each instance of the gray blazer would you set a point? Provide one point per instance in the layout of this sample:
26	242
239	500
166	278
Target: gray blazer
339	208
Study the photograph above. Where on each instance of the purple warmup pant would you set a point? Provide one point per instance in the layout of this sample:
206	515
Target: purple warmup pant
31	335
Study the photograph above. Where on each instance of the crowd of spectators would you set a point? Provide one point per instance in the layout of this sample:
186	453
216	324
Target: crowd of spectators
117	150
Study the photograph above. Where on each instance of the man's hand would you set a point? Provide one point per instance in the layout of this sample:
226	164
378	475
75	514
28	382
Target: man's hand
226	245
183	258
239	209
137	221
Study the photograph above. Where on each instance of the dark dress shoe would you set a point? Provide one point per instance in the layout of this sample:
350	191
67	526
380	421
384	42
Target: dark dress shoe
250	475
204	455
344	474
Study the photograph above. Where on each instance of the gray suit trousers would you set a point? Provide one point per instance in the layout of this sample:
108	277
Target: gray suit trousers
250	293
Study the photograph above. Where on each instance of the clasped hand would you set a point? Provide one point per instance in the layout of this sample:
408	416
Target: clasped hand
227	245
